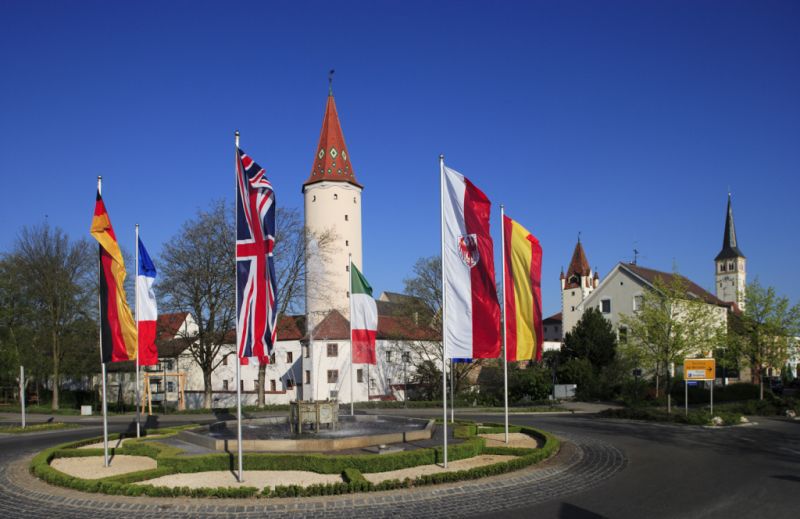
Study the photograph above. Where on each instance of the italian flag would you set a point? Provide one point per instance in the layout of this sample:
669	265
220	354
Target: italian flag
363	318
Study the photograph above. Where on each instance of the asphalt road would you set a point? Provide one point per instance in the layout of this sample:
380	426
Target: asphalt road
671	471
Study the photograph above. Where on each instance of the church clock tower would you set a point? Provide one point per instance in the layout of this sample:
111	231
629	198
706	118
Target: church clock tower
731	265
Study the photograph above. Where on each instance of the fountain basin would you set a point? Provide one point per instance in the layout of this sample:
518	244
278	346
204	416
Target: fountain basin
274	434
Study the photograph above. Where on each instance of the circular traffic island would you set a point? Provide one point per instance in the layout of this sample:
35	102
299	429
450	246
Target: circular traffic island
169	466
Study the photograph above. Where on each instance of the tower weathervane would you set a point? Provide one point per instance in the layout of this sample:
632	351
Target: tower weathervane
331	72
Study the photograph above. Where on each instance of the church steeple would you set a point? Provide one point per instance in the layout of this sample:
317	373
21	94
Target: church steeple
576	285
332	159
730	248
731	265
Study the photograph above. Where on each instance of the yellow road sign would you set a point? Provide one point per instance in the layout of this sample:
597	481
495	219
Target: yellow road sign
699	369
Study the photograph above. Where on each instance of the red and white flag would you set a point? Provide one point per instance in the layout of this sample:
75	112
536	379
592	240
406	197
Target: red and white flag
472	314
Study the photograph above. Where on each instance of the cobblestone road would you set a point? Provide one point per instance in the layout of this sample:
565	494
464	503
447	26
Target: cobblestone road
582	463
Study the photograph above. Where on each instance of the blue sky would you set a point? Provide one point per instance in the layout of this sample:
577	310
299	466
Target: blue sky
626	121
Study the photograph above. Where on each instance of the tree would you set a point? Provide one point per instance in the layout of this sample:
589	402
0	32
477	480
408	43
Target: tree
52	286
671	324
765	332
425	305
197	276
592	338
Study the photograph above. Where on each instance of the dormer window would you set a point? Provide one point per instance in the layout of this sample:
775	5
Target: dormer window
574	280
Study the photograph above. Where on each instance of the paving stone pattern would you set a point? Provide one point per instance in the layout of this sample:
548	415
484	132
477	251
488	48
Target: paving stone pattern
582	463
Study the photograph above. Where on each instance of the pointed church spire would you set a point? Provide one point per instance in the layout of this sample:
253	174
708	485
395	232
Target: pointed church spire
730	248
579	265
332	160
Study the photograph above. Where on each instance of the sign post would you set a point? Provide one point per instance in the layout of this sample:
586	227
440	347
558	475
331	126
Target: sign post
699	369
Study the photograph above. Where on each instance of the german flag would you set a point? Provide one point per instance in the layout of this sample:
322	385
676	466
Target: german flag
118	329
523	292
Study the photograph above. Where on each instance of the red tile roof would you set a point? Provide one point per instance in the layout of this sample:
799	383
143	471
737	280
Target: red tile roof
333	326
555	318
168	325
291	327
692	289
331	159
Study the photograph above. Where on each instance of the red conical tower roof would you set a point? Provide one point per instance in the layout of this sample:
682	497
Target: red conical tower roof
332	159
579	264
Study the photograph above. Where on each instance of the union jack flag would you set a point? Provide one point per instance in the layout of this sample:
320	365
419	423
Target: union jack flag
256	305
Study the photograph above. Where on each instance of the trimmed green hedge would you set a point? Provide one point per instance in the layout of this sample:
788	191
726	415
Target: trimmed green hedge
351	467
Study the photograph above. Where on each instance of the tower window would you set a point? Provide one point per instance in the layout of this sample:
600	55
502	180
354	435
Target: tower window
347	243
346	218
722	267
354	200
335	196
314	198
731	266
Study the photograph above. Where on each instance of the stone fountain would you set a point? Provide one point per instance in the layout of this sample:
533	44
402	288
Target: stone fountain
302	431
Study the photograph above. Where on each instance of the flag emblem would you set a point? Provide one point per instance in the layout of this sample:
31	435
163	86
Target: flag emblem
256	304
468	249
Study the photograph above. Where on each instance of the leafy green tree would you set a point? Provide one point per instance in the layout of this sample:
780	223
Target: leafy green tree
766	330
672	324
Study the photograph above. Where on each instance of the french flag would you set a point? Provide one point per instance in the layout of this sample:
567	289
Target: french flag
147	311
472	313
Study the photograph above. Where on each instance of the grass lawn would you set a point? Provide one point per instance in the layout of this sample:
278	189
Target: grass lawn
38	427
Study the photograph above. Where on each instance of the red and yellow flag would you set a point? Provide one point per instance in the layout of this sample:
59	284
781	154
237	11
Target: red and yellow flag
523	292
118	329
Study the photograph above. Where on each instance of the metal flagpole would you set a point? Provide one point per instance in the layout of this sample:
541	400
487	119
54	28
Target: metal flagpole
444	313
240	475
452	391
505	344
22	393
100	334
136	290
352	374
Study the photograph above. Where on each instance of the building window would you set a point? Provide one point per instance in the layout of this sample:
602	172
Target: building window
241	385
333	376
333	349
605	306
406	356
573	308
170	387
347	243
372	383
225	360
334	394
308	376
314	198
638	300
354	200
545	329
623	335
388	356
335	196
224	385
289	383
347	268
169	365
346	218
360	376
273	386
289	357
305	350
272	358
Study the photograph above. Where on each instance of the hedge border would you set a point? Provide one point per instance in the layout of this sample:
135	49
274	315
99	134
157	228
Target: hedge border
351	467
